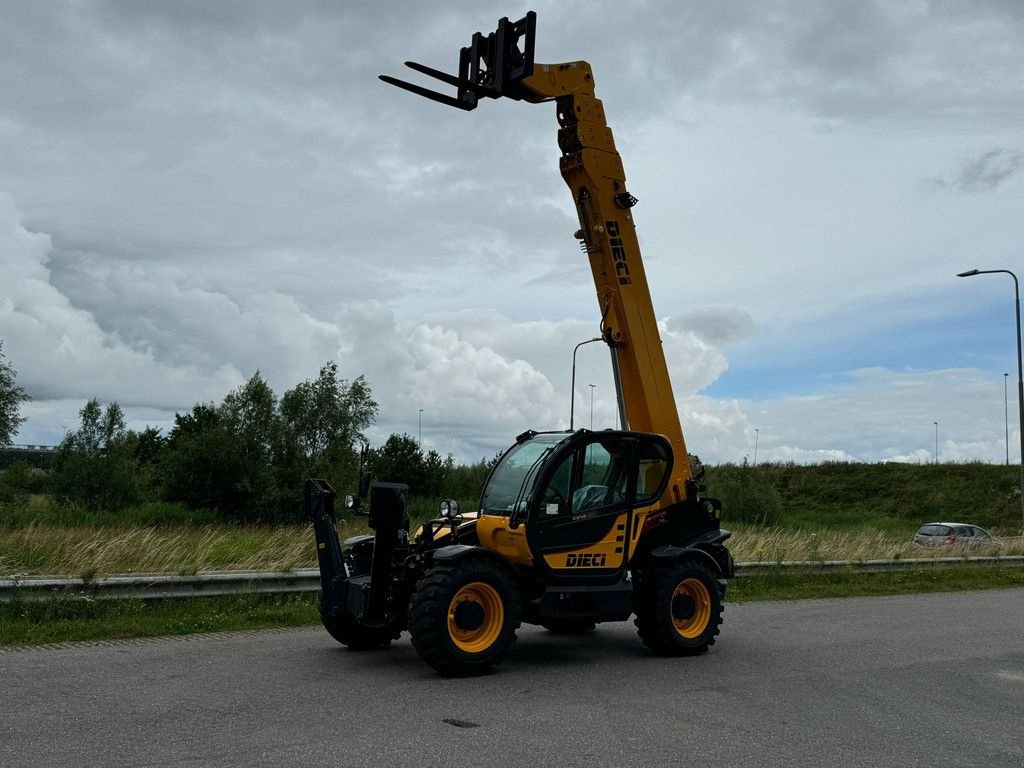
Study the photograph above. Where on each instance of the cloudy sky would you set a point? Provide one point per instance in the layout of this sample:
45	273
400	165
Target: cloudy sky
192	191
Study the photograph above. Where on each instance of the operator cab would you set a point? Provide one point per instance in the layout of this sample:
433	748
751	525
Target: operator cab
569	473
577	494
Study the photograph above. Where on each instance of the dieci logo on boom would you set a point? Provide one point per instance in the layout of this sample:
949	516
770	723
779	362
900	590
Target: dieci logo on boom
618	253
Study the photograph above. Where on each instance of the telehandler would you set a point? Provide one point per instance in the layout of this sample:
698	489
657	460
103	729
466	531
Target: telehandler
573	528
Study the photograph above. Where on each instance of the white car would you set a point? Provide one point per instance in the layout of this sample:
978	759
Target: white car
951	534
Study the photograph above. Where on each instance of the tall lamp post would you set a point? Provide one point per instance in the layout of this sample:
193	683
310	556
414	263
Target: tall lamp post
936	442
1020	375
757	433
419	439
572	385
1006	417
592	388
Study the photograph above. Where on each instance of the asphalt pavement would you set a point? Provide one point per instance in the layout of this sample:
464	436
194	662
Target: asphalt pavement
915	680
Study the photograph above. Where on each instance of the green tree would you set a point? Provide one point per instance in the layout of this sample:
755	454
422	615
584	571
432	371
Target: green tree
149	447
223	456
321	423
465	482
249	456
11	398
401	460
200	464
96	463
326	414
20	479
250	415
322	420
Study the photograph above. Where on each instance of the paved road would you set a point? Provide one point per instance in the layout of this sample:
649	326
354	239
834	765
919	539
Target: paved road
933	680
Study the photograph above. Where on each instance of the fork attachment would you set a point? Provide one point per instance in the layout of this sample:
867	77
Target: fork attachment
491	66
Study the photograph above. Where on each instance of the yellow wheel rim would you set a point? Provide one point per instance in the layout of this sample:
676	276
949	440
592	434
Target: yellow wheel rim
697	592
479	632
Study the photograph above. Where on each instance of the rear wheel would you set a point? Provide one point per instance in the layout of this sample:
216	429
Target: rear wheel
464	615
679	608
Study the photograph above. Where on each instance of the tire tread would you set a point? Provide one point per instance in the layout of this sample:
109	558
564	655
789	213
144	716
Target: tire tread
653	605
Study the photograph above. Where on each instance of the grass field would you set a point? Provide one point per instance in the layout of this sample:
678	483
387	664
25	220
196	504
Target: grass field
88	552
776	512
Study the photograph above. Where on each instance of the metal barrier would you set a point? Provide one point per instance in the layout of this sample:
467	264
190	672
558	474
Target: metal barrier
157	586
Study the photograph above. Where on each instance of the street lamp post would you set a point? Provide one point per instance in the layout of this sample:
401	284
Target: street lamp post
1006	417
572	385
592	388
419	439
756	435
936	442
1020	376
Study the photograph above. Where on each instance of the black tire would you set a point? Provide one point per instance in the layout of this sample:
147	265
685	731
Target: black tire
359	637
678	608
569	626
464	615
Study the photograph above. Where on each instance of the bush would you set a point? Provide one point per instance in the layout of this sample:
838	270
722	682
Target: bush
746	496
20	480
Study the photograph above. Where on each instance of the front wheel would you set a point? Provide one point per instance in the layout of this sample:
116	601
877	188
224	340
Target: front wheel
679	608
463	615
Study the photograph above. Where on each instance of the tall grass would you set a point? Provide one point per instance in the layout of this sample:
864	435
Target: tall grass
776	511
40	509
772	545
95	551
91	551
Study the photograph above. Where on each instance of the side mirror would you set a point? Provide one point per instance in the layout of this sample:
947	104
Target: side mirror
449	509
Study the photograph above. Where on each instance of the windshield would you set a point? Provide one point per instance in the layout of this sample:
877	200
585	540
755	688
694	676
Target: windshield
511	483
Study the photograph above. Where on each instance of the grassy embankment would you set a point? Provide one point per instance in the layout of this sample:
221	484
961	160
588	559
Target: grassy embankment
776	512
838	511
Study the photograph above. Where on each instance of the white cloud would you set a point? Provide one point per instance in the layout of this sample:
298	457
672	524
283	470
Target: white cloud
214	189
878	415
62	352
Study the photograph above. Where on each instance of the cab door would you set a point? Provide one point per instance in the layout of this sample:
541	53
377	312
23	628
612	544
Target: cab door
581	521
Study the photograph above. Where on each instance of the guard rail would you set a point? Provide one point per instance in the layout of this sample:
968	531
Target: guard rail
219	583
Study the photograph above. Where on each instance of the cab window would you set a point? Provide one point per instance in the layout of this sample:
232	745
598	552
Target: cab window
649	480
512	480
605	477
556	496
